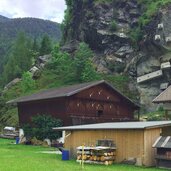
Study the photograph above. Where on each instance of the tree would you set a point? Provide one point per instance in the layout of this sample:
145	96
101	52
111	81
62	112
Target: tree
41	127
27	84
46	45
35	48
89	73
11	70
62	65
19	59
22	52
85	71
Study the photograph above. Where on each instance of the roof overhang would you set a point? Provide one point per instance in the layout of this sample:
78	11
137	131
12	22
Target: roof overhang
38	97
118	126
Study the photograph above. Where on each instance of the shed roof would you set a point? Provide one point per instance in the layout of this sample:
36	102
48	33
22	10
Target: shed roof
164	97
67	91
118	125
163	142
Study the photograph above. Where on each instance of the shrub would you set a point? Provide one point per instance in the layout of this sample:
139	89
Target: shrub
41	127
113	26
116	67
136	35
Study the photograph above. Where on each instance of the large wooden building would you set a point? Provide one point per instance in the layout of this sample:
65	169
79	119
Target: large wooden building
93	102
133	140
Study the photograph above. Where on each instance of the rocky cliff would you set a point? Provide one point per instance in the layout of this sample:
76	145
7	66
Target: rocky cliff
128	37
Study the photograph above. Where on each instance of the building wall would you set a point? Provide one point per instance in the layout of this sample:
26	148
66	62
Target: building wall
166	131
55	107
84	107
150	136
167	106
81	108
130	143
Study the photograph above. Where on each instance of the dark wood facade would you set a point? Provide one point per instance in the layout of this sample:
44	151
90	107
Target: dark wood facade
96	104
54	107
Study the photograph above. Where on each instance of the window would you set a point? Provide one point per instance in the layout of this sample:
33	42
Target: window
99	109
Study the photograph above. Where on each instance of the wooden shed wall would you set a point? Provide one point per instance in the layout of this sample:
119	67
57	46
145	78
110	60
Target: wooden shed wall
130	143
150	136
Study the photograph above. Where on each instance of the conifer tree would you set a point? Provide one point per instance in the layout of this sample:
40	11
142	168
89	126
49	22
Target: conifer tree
20	58
46	45
85	70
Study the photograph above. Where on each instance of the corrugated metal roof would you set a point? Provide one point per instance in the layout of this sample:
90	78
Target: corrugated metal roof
67	91
168	144
118	125
163	142
165	96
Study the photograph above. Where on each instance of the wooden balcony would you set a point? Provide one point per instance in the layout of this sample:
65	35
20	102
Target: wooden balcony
149	76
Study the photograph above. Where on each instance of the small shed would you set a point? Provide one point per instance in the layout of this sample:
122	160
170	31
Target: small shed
163	155
134	140
86	103
165	99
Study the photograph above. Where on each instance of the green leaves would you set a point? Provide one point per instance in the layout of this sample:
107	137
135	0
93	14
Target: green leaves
20	58
85	70
66	69
42	127
113	26
89	73
46	45
62	66
27	84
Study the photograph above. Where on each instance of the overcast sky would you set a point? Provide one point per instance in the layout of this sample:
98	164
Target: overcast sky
45	9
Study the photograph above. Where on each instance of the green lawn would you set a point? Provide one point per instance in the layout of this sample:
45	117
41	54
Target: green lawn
28	158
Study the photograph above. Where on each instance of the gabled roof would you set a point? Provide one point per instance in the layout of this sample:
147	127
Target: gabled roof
118	125
164	97
66	92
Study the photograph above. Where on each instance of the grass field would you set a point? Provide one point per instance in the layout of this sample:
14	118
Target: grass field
29	158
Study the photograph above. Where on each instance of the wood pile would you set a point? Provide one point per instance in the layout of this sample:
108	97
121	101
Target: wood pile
96	155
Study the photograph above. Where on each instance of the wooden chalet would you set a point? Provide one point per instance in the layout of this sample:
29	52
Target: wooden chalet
165	99
93	102
133	140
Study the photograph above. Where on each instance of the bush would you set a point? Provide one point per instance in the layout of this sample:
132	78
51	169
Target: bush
113	26
157	115
116	67
41	127
136	35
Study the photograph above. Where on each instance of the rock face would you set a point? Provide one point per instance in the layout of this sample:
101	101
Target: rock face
35	70
40	63
12	83
156	45
106	27
93	23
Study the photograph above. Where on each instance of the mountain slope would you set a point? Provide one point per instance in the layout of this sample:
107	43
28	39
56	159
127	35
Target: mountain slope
33	28
3	19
